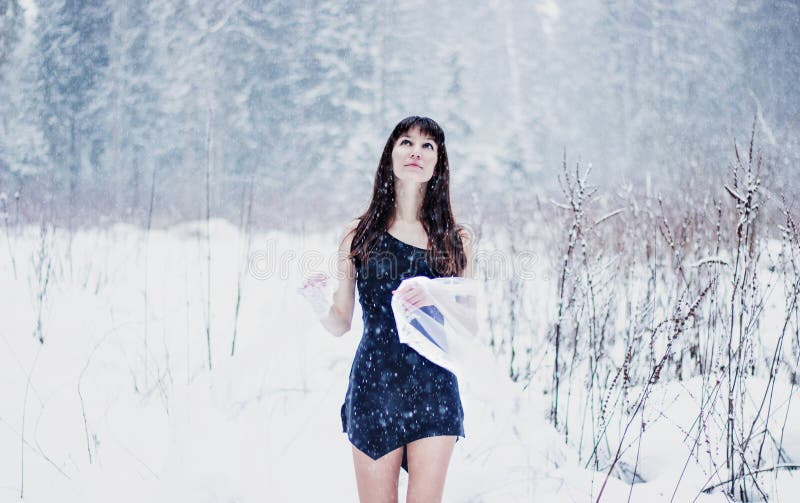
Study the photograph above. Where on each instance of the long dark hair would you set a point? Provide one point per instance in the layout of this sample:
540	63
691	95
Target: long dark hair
445	249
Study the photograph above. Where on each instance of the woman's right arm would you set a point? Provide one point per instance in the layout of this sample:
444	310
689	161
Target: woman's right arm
340	315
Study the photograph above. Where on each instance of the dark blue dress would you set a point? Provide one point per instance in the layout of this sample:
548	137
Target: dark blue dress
395	396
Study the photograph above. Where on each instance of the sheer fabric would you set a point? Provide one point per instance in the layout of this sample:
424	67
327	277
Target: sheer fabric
438	329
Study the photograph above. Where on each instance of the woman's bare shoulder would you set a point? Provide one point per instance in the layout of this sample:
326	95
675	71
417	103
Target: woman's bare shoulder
467	236
348	231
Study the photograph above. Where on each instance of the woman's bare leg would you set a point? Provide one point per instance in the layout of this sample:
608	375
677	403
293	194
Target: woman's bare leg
428	459
377	478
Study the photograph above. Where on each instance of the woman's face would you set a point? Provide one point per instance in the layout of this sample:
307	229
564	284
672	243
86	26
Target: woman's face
414	156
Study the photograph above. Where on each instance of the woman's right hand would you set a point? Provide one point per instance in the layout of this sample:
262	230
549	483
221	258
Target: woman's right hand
318	289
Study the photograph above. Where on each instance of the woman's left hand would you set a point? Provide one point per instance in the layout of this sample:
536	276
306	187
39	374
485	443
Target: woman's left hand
413	295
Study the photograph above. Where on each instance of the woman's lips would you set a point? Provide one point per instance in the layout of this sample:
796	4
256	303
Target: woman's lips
414	165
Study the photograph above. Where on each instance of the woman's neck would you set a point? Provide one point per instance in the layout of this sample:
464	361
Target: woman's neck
408	201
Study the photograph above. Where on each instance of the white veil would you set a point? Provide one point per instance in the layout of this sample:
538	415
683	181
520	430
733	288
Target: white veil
437	330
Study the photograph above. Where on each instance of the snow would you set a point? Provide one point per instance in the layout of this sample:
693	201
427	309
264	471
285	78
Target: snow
93	416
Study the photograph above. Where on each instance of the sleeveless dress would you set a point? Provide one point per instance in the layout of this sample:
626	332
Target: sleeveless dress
394	396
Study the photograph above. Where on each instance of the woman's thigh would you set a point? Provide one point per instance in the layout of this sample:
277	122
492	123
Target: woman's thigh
377	478
428	459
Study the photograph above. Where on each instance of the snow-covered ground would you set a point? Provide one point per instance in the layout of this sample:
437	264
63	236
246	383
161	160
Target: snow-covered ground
119	404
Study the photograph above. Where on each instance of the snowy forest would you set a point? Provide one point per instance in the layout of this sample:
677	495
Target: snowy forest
171	170
106	103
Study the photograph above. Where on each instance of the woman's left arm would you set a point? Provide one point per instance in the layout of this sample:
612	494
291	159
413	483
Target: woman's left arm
466	243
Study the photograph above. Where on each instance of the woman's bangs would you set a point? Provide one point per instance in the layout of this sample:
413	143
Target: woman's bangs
426	126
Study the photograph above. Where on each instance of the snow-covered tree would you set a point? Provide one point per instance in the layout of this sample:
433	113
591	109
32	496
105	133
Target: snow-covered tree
73	41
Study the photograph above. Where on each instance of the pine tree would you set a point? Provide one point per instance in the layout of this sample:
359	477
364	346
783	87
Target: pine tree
73	40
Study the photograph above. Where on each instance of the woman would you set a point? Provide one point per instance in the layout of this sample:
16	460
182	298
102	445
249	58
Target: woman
400	409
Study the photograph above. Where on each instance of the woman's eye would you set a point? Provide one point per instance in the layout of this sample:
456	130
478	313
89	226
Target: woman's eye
405	142
428	145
